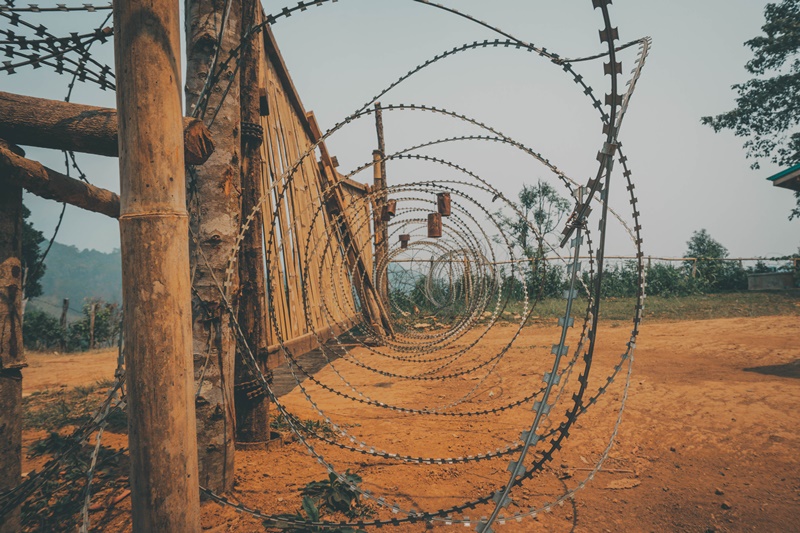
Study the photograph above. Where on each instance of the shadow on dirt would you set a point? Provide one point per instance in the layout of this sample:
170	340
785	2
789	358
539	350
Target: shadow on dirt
787	370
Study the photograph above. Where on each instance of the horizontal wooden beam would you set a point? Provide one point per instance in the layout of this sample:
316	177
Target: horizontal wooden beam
30	121
48	183
305	343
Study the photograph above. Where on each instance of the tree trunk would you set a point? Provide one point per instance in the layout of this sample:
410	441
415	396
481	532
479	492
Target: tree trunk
155	269
252	403
12	355
214	199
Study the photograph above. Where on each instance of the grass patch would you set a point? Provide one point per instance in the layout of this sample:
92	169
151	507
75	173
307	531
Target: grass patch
310	428
696	307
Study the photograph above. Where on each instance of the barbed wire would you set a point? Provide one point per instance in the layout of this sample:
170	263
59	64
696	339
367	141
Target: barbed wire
483	283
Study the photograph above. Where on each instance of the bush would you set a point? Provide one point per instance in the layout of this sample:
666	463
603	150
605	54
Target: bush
666	280
40	330
549	279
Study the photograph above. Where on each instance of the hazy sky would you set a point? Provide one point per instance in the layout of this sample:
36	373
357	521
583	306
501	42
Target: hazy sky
340	55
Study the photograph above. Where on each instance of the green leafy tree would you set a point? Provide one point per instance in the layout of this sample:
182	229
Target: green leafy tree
107	324
767	109
40	330
713	274
32	255
542	208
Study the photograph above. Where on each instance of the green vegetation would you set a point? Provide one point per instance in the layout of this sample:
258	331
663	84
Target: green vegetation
32	255
695	307
80	275
42	331
767	105
330	496
308	427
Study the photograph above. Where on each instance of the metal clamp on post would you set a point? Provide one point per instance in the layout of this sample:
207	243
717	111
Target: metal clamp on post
252	132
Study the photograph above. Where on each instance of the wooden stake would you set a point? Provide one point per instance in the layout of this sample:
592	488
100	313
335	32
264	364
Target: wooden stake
92	315
12	355
63	324
215	213
252	413
381	227
155	269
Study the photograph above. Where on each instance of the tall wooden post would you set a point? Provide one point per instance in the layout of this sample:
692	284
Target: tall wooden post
214	195
381	226
63	324
155	268
252	404
12	356
92	317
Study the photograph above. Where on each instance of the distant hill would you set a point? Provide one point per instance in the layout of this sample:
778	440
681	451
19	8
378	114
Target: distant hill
78	275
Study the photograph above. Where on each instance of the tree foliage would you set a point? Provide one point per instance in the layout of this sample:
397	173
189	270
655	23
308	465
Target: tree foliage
32	264
541	207
767	109
42	331
712	273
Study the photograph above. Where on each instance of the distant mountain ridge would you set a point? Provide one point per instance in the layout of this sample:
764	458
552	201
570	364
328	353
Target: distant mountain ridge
78	275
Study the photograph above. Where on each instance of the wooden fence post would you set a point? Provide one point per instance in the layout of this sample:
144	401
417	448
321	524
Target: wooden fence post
92	316
381	226
215	218
12	355
252	403
155	268
63	324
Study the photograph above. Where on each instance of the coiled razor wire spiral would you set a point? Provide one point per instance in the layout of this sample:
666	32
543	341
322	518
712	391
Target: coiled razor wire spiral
443	295
461	280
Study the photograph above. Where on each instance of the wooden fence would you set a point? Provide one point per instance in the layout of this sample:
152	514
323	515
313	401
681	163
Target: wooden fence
310	275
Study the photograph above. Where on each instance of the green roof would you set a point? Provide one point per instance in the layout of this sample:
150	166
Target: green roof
783	173
788	179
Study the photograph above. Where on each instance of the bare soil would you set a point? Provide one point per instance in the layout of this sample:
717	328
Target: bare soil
708	440
52	371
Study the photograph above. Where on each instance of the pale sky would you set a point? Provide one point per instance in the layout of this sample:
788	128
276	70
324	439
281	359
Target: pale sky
340	55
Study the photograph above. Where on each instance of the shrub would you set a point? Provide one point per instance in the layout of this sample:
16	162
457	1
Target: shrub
40	331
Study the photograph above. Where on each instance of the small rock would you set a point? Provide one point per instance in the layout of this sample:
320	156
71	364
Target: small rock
719	492
725	505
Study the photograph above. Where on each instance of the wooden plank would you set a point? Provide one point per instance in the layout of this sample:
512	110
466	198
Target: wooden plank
252	411
308	342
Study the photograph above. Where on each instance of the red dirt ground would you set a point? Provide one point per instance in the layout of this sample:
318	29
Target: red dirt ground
705	444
